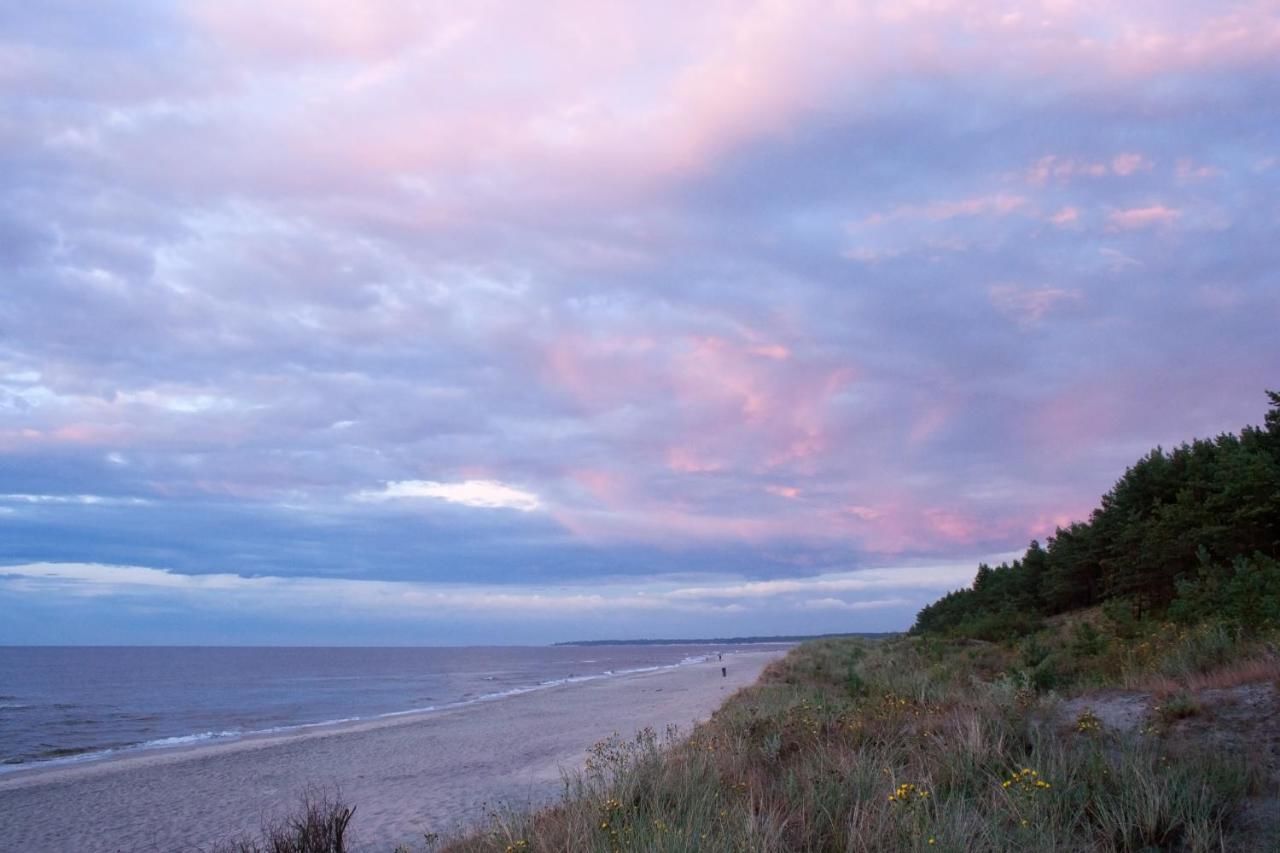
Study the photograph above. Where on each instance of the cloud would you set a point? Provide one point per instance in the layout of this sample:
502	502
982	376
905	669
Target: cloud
853	606
1143	217
73	499
1065	217
998	204
1053	167
1188	170
783	288
278	594
1028	306
939	576
487	494
313	597
1129	163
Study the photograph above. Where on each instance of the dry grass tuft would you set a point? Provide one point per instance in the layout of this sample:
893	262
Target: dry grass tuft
319	826
1265	667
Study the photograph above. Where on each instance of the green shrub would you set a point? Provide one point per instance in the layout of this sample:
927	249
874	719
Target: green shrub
1245	595
1179	706
1087	641
1033	652
1045	675
1122	618
999	626
1198	650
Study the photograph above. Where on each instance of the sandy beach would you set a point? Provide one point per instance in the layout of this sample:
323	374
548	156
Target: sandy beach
406	775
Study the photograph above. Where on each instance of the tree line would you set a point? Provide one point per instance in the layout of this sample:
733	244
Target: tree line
1190	534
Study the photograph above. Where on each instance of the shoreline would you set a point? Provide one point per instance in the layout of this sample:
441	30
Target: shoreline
406	774
203	740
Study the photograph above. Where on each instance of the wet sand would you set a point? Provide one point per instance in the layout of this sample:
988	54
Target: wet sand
406	776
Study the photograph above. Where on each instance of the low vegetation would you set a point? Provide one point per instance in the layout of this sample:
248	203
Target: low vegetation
928	744
320	826
900	745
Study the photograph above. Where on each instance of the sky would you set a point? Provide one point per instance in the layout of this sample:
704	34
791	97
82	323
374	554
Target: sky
419	323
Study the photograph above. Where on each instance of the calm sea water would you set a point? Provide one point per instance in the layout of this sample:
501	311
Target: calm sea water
69	704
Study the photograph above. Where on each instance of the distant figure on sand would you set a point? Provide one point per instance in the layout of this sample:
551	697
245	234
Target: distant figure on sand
724	672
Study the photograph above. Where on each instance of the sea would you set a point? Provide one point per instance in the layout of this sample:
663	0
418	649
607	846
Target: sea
64	704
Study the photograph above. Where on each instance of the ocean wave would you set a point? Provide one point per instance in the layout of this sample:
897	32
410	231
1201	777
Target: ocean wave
182	740
53	758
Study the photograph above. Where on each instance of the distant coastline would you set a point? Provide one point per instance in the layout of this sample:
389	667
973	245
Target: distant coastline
730	641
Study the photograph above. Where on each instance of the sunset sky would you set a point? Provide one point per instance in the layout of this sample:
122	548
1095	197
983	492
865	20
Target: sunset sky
409	322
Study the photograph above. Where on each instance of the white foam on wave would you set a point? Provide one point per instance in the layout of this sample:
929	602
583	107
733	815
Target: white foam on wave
182	740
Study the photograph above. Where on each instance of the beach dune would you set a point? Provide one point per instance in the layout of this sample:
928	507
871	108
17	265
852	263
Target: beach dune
406	776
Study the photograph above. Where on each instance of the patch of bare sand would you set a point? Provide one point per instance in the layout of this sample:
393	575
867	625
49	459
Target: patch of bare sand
1245	720
1117	710
406	776
1241	719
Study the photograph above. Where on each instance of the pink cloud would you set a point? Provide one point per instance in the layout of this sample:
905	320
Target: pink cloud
1242	33
934	418
302	31
893	527
1043	526
899	522
1028	306
864	513
16	439
1053	167
665	522
774	351
1188	170
744	405
688	461
605	487
1128	164
952	526
570	103
1143	217
996	204
602	371
1065	216
1074	421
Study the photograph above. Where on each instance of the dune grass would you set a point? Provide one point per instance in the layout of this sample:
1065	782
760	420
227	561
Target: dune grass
903	745
911	744
319	826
